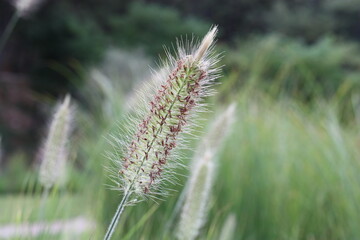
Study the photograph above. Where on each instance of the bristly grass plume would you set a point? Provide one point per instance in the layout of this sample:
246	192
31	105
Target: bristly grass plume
193	214
197	192
218	131
55	149
148	154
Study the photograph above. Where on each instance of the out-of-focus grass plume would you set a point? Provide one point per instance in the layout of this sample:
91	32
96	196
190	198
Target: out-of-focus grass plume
55	151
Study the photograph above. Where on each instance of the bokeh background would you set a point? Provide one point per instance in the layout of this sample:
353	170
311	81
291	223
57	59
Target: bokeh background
290	167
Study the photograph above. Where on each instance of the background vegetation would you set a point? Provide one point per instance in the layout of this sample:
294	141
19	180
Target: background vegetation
288	170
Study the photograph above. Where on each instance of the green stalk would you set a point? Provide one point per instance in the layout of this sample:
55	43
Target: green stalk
8	30
44	198
117	215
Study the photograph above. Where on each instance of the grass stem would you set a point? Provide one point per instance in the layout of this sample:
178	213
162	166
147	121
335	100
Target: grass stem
44	198
117	215
8	30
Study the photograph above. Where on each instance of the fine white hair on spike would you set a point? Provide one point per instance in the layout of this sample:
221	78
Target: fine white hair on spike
193	214
145	89
24	7
55	149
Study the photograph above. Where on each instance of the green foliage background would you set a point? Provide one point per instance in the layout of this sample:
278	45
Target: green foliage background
289	168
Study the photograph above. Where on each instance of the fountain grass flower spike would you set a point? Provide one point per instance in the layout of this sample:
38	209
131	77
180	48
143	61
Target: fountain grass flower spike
197	193
148	156
55	150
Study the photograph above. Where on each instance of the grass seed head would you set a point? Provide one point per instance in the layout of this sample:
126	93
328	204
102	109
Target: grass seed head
193	214
55	150
219	129
198	188
158	129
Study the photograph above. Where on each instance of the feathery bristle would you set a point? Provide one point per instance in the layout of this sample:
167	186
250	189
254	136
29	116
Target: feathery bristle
55	152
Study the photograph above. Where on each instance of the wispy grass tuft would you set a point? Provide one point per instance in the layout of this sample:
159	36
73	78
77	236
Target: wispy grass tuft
55	150
193	214
197	192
